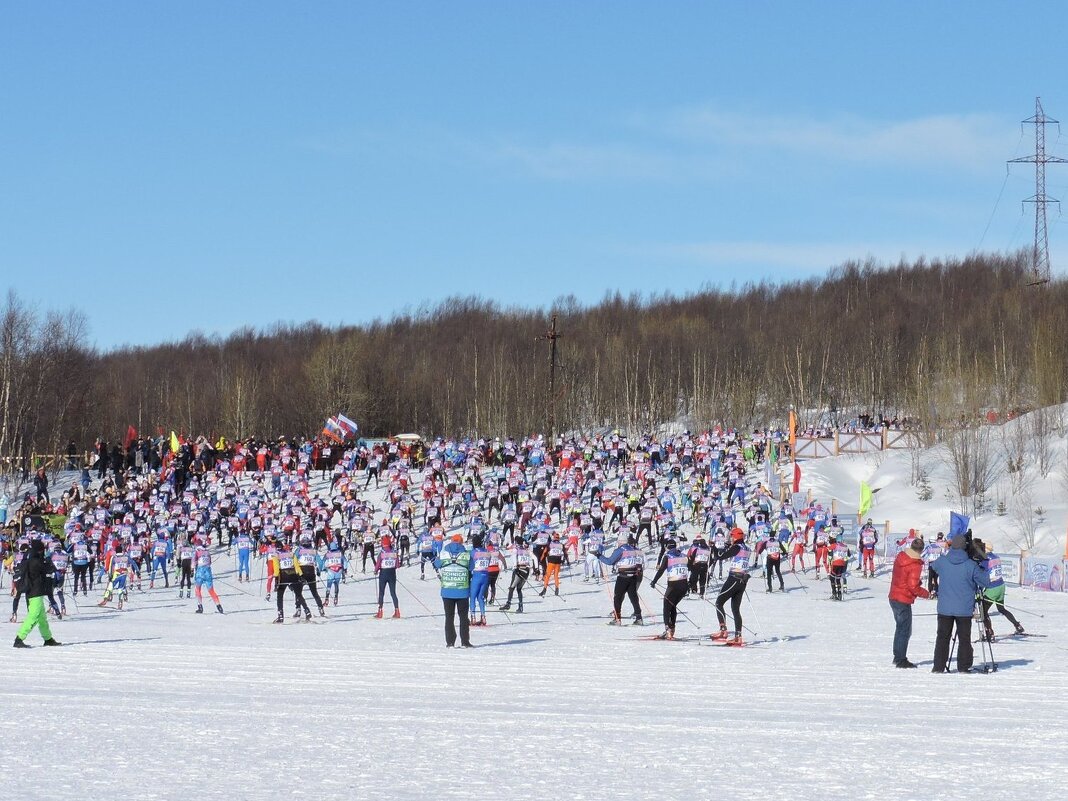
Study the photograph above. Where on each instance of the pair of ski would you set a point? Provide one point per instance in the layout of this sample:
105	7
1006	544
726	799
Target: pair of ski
1013	636
704	639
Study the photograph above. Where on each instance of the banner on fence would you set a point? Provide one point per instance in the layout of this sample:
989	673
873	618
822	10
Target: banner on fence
1044	573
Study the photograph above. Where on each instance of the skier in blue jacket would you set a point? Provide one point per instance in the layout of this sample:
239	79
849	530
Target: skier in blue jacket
629	562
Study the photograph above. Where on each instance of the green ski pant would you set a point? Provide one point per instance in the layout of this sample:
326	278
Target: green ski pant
36	617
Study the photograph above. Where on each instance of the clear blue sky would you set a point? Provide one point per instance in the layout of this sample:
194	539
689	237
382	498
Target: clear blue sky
175	166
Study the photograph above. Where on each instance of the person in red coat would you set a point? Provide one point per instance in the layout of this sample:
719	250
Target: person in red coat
905	588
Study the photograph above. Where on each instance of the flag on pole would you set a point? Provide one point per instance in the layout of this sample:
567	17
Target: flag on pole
333	430
793	434
797	478
131	435
174	443
865	499
958	524
350	428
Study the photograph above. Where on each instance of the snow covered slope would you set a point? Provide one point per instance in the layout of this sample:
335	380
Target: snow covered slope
896	499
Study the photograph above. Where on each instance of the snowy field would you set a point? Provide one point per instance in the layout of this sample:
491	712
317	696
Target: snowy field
157	702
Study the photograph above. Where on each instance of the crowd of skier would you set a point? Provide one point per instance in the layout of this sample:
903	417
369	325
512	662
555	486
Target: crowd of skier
694	511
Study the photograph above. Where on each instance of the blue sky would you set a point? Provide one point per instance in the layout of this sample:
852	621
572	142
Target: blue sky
168	167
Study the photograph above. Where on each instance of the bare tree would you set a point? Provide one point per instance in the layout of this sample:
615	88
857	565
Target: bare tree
974	468
1015	447
1042	427
1025	525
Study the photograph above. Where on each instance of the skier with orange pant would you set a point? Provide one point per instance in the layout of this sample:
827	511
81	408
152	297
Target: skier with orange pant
552	557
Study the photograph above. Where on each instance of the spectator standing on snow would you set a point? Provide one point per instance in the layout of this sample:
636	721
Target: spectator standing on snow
905	588
454	570
40	484
36	583
959	579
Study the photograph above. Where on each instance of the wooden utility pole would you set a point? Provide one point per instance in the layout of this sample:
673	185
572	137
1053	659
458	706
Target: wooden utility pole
552	336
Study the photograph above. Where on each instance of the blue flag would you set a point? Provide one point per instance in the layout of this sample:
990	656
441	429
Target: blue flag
958	524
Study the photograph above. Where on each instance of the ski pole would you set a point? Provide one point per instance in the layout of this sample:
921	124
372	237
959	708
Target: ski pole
1025	611
403	587
755	618
641	601
662	595
712	603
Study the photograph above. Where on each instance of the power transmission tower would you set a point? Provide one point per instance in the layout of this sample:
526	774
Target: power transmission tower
1040	254
552	336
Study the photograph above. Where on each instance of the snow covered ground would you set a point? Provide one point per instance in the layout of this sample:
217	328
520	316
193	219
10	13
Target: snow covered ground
157	702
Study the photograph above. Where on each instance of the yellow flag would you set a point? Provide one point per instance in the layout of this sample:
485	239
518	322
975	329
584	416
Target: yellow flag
174	443
865	499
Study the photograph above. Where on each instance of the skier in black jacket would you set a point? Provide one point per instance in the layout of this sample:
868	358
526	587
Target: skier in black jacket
733	589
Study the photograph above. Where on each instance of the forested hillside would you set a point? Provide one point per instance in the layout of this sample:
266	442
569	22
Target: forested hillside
927	340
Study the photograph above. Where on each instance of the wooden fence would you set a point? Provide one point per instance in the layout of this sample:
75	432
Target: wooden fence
855	442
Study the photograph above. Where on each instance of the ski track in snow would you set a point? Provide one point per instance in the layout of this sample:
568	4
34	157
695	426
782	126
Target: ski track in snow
159	703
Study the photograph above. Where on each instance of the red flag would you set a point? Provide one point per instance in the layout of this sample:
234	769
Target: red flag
131	435
797	478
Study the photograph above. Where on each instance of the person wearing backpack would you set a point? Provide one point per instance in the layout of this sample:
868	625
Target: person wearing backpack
36	584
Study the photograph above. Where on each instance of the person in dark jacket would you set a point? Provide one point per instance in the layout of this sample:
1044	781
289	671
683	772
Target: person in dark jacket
37	583
905	588
630	563
101	458
40	483
959	578
116	463
733	589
